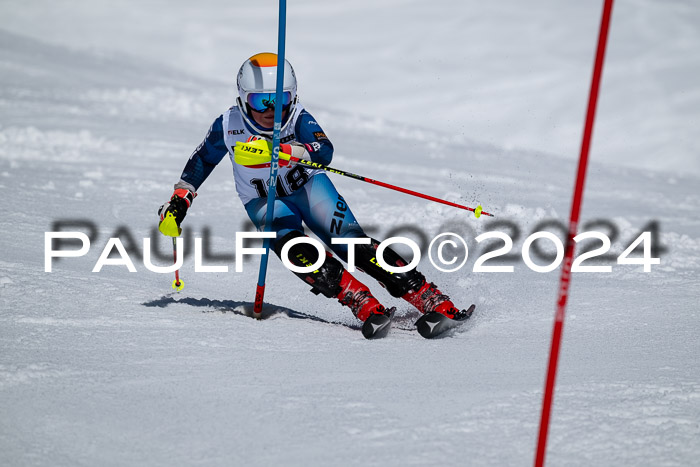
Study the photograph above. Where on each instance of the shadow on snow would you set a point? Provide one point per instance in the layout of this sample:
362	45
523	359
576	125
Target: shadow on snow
241	308
401	321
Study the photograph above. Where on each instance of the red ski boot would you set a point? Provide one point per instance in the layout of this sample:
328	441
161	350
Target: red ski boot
355	295
428	298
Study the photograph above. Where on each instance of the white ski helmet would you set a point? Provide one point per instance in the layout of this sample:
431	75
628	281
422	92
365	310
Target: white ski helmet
257	83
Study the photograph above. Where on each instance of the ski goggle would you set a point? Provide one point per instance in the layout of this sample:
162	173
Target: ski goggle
261	101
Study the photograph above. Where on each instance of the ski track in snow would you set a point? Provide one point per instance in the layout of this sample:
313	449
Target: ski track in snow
116	369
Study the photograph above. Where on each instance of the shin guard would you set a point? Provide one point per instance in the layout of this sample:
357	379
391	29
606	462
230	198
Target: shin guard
324	280
397	284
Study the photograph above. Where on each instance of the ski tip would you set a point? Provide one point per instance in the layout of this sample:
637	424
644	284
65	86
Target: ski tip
377	326
433	324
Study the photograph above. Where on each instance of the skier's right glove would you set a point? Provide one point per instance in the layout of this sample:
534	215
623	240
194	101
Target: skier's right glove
293	149
257	150
174	211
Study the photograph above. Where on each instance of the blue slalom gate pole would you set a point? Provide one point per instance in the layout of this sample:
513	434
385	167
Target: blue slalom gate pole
274	165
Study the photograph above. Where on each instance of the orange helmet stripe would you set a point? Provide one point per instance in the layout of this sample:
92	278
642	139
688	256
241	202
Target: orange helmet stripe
264	59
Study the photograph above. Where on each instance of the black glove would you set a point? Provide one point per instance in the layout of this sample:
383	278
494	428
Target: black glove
175	210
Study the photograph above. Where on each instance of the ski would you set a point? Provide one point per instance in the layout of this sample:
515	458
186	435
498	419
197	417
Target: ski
433	324
377	326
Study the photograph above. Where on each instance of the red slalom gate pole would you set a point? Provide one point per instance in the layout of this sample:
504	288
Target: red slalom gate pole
565	278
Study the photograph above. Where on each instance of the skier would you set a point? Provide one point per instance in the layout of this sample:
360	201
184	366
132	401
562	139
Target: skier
303	194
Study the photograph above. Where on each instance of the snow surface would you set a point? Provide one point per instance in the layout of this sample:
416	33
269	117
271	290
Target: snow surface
112	368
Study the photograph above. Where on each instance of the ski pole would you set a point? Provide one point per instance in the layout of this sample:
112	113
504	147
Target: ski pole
253	156
177	283
315	165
